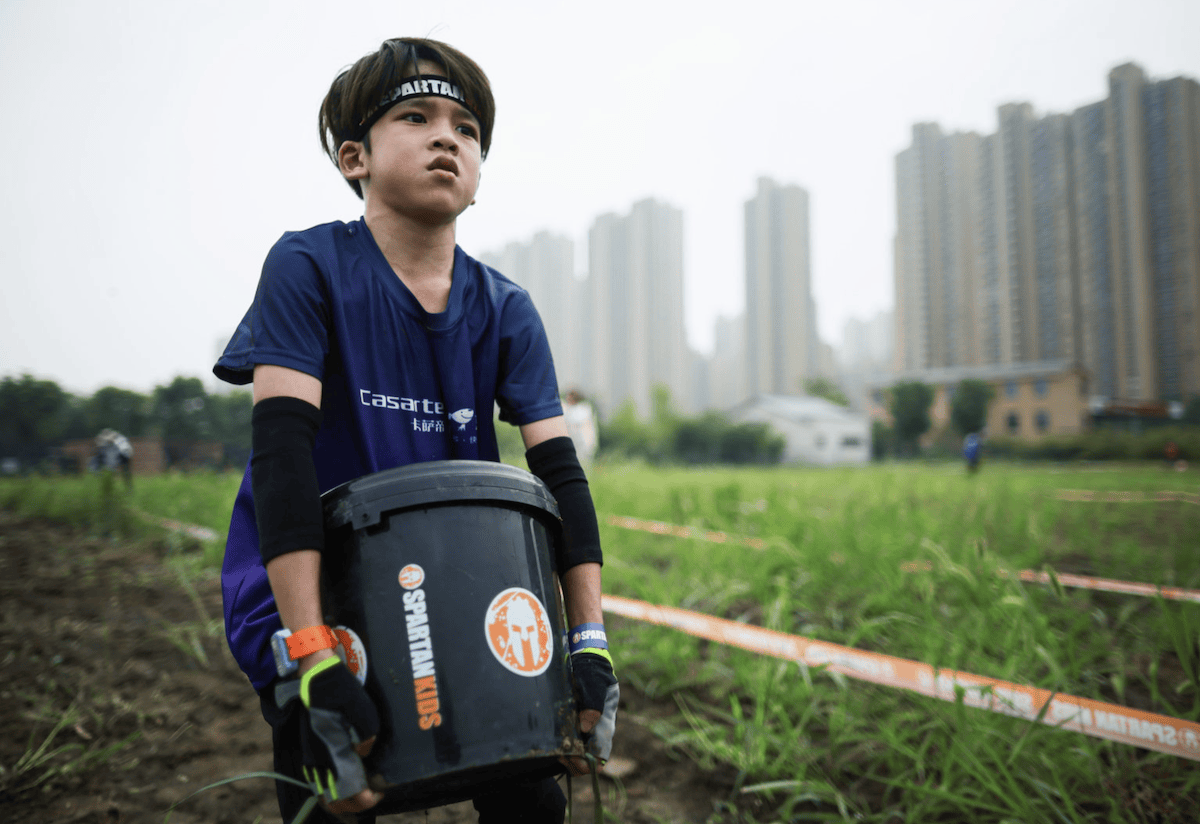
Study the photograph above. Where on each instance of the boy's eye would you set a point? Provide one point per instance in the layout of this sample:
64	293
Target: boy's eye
468	130
413	117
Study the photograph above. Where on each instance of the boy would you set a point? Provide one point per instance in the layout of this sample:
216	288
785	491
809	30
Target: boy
389	306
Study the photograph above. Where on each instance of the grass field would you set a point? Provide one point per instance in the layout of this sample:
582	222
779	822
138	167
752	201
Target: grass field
836	546
901	559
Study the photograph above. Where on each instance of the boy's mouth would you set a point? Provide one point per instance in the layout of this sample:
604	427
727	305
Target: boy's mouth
443	163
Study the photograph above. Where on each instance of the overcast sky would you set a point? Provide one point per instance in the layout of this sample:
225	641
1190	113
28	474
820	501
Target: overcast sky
153	151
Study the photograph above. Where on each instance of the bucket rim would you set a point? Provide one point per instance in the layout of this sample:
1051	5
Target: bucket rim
363	501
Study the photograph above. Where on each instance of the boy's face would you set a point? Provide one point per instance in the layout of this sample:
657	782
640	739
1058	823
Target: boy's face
424	160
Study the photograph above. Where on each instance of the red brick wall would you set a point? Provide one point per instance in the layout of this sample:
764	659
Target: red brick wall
148	455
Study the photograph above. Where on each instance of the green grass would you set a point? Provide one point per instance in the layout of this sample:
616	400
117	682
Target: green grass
45	759
836	543
837	565
101	503
91	500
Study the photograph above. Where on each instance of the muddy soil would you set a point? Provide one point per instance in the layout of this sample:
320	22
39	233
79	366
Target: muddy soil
119	699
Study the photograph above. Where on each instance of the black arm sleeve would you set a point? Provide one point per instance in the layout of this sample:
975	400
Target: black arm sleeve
283	477
555	462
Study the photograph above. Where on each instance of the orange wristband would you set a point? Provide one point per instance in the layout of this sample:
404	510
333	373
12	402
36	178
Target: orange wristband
312	639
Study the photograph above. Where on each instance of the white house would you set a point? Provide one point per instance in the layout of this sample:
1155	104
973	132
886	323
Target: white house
817	431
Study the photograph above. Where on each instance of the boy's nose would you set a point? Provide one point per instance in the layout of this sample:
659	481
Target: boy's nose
444	139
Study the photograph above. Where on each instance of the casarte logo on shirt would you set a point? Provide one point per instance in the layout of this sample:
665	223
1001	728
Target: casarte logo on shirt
462	418
368	398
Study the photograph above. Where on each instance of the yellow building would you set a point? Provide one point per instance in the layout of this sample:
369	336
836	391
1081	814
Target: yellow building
1049	401
1031	400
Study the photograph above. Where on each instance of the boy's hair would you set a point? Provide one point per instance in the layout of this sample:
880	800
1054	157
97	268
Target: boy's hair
357	92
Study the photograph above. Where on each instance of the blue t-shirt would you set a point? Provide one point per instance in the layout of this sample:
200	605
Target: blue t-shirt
399	385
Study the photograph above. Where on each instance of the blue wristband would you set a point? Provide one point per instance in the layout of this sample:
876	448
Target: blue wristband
587	636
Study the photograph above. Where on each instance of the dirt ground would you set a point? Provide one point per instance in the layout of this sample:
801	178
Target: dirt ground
118	699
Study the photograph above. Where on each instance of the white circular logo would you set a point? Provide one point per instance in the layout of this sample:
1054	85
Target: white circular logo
517	628
352	652
412	576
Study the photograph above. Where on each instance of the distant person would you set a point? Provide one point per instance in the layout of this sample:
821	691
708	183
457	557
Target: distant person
1171	453
114	453
972	446
581	426
376	344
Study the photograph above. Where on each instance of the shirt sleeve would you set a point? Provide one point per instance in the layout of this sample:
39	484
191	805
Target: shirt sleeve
528	389
288	322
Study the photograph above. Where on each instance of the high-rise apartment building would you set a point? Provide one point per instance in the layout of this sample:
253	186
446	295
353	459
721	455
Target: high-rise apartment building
867	344
1071	238
727	370
865	359
939	282
1154	190
545	267
780	342
634	326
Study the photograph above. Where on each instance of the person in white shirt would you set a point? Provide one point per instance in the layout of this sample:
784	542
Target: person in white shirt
581	426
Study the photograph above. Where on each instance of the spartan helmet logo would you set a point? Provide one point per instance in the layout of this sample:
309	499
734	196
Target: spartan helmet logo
522	631
412	576
352	652
517	628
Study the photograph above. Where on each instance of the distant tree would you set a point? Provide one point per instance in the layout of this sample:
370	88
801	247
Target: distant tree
753	443
77	422
698	440
624	433
910	404
662	409
881	440
229	419
670	437
968	410
1191	412
179	413
663	422
124	410
33	416
827	389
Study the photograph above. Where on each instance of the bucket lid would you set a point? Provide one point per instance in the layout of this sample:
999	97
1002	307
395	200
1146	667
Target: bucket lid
364	501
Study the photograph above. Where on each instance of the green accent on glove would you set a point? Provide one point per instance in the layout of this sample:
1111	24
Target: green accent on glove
306	678
326	786
338	715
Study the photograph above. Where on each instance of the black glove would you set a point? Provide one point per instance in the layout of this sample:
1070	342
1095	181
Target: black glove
596	688
340	714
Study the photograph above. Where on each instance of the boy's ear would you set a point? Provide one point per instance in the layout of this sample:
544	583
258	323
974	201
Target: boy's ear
351	160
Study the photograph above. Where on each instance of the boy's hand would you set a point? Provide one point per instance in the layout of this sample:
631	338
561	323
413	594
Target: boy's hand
340	727
597	694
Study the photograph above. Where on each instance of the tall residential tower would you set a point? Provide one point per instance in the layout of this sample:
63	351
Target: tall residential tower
781	345
545	267
1063	238
634	326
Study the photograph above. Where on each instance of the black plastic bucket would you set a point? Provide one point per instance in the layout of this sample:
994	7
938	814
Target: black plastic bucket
440	577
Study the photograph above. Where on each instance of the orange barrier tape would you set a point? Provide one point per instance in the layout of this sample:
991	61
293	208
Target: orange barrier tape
200	533
1028	575
1127	497
1095	718
1082	582
1111	585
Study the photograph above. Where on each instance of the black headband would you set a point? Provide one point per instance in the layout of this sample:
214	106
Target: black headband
423	85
